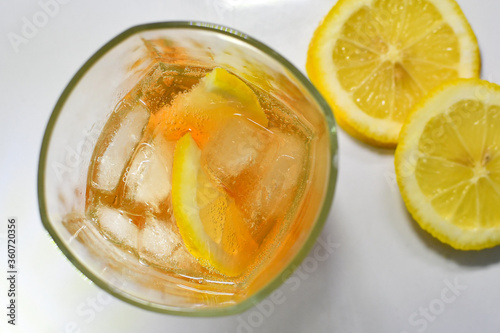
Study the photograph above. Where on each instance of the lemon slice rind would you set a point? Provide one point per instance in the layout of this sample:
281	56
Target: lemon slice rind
185	185
323	72
407	155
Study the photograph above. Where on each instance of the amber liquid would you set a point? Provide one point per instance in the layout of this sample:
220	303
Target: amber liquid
127	197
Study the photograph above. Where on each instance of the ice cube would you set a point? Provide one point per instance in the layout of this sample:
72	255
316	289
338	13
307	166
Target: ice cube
85	230
182	261
234	149
117	143
271	198
161	245
80	227
116	226
148	179
289	165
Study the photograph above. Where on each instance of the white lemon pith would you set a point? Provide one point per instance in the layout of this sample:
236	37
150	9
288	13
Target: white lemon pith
448	164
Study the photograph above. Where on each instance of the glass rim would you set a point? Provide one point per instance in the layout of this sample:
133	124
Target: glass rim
318	223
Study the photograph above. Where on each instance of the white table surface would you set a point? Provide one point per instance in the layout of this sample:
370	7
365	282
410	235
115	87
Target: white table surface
384	275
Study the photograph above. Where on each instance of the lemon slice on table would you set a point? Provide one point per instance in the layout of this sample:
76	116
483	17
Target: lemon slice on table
217	98
374	59
448	164
209	222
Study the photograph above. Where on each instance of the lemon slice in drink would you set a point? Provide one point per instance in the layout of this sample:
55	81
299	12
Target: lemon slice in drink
209	222
230	88
448	164
374	59
217	98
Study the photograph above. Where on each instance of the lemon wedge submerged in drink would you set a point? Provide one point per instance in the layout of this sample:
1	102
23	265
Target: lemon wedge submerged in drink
210	223
217	98
230	90
448	164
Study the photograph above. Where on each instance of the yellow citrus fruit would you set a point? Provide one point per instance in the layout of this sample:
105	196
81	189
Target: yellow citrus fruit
209	222
374	59
448	164
217	98
231	88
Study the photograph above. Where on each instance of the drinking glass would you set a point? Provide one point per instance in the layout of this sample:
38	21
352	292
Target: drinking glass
80	115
